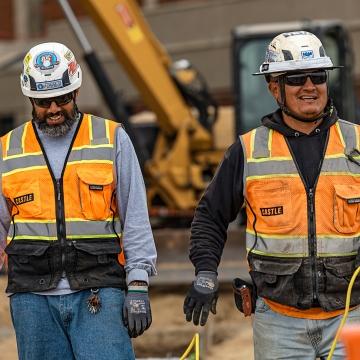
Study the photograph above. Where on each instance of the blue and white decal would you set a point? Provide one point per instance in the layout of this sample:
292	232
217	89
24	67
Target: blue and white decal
307	54
46	61
49	85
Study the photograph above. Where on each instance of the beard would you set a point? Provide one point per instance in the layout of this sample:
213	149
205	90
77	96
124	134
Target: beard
59	129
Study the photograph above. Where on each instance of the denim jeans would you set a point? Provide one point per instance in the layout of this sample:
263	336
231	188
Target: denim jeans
61	327
280	337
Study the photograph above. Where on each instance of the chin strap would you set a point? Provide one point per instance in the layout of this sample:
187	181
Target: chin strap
327	111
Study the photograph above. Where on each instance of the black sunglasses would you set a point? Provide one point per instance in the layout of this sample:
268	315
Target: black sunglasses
299	79
59	100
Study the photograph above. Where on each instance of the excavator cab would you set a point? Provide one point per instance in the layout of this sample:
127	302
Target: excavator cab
252	98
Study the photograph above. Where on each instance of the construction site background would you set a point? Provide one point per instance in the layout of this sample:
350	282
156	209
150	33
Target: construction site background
201	32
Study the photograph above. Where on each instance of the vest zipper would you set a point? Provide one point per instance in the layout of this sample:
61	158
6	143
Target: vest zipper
59	195
310	194
60	221
312	239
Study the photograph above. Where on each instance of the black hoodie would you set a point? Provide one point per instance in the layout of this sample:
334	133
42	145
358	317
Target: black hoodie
223	197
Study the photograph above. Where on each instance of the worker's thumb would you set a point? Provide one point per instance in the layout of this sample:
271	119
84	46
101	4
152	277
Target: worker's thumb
213	305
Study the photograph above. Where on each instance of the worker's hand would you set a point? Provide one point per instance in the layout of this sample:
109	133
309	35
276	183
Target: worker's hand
202	297
136	310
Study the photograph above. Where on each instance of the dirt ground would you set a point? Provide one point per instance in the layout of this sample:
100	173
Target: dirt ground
227	335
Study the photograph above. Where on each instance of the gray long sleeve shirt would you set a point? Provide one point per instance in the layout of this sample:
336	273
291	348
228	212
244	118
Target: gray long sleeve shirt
138	243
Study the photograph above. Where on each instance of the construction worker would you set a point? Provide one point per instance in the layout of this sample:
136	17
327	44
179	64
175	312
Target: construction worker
73	210
297	175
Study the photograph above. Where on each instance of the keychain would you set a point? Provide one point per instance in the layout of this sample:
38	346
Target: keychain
93	302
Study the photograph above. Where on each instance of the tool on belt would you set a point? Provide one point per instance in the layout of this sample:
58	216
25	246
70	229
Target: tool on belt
245	297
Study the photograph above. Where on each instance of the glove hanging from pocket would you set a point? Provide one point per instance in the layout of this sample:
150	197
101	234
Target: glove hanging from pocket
244	295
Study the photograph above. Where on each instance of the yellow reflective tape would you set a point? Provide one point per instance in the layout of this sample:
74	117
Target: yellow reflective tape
92	236
357	137
8	142
33	237
335	156
24	169
90	128
85	220
340	134
107	129
110	162
31	221
276	158
279	255
256	177
22	155
342	236
336	254
252	142
277	236
23	136
340	173
53	221
270	141
92	146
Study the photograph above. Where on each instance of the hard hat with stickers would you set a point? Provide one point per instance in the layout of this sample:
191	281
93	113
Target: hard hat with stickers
295	51
50	69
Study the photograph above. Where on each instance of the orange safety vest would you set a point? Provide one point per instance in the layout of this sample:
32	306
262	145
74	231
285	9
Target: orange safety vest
302	243
79	212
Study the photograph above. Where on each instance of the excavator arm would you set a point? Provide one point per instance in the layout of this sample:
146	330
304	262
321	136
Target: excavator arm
183	151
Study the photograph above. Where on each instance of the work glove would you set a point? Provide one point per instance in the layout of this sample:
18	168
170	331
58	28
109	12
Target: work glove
202	297
136	310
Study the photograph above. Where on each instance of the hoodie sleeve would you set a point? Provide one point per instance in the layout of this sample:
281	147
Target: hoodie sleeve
218	206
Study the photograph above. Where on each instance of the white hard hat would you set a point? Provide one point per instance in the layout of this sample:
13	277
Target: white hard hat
295	51
50	69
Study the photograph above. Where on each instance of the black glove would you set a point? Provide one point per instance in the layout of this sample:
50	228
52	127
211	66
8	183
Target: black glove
136	310
202	297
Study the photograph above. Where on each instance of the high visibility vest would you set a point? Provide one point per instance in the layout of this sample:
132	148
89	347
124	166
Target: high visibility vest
79	211
302	242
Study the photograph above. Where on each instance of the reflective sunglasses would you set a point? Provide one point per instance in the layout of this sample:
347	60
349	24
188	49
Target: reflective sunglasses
59	100
299	79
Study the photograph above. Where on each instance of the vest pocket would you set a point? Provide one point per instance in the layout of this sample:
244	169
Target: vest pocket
25	198
346	208
95	188
273	208
93	253
275	278
95	262
338	273
29	265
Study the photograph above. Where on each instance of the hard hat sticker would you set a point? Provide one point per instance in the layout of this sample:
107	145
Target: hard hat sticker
46	62
49	85
68	55
307	54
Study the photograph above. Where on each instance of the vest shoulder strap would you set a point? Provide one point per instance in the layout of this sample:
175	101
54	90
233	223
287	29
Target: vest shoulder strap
261	143
349	134
15	140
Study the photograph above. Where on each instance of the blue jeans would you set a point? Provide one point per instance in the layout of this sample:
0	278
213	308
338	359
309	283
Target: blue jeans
61	327
280	337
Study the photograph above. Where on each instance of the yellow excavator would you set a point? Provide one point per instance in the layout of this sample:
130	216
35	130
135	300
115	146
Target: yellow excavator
183	157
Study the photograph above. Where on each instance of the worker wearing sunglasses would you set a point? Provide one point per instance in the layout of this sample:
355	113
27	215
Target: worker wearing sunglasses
62	176
298	178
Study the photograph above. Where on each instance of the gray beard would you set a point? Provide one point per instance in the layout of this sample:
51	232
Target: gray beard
60	129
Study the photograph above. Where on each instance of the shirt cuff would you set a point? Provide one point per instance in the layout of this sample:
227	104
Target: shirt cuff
137	274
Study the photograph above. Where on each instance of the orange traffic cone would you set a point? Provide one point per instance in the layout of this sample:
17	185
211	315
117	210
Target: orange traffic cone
350	337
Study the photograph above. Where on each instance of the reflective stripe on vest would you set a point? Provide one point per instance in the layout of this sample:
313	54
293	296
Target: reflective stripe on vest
89	181
276	197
